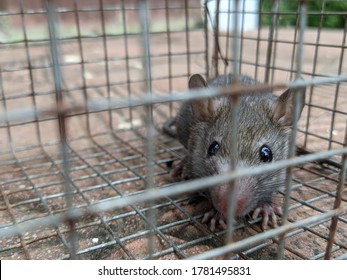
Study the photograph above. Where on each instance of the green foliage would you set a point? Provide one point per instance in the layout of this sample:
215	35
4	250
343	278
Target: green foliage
318	11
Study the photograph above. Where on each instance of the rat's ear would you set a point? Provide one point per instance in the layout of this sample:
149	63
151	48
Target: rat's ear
203	109
197	81
284	106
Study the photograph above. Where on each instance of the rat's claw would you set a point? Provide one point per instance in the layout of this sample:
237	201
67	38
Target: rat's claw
268	212
213	224
222	223
215	218
179	170
208	216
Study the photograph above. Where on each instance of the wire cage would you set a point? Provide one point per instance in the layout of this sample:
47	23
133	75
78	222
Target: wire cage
85	87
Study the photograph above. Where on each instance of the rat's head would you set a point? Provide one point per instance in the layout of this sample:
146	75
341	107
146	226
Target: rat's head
264	126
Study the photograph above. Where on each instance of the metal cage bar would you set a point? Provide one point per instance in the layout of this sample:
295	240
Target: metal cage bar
84	165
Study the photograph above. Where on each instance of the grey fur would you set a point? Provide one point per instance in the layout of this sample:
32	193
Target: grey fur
257	126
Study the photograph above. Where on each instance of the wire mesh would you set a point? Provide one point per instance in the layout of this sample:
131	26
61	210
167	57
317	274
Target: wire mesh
85	87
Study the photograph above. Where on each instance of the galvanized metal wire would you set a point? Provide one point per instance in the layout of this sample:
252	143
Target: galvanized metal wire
84	166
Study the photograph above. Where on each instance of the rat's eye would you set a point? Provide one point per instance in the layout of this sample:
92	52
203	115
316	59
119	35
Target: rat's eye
213	149
265	154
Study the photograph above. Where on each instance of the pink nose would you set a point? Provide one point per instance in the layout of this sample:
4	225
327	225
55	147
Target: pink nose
240	206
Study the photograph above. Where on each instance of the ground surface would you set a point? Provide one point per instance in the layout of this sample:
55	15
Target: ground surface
105	164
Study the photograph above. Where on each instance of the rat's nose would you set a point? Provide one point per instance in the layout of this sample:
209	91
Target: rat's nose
241	204
243	195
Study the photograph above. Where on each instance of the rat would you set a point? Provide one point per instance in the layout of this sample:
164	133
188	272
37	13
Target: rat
203	127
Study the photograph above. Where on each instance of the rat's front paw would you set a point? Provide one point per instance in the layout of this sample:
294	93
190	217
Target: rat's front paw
179	170
215	219
268	211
